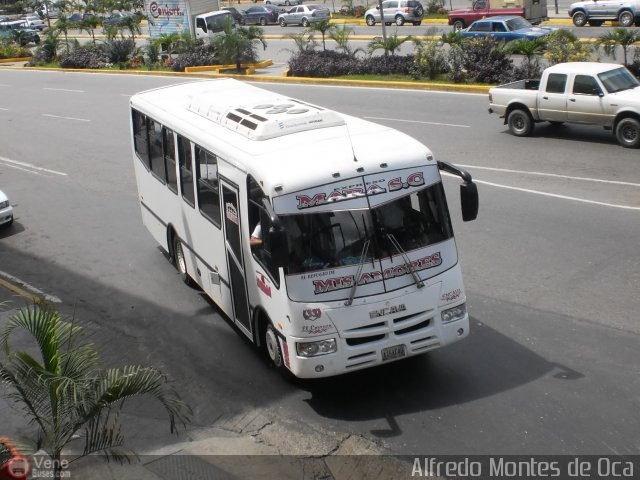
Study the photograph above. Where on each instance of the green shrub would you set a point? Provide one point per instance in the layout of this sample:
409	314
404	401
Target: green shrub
85	56
201	54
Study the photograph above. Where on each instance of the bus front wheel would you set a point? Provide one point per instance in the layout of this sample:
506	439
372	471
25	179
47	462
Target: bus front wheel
180	261
272	346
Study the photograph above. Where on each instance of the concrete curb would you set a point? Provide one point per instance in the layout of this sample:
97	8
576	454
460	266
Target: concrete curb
212	73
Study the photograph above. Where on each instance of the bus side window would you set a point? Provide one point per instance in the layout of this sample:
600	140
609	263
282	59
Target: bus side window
186	170
155	151
141	137
169	148
207	184
257	214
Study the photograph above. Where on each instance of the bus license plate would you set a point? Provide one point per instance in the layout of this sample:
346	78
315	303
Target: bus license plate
391	353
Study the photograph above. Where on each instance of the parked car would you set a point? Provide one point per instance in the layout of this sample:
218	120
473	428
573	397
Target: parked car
262	14
34	21
19	31
396	11
505	28
238	16
625	12
6	210
304	15
117	18
283	2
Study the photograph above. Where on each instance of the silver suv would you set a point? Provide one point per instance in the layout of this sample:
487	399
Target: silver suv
396	11
596	12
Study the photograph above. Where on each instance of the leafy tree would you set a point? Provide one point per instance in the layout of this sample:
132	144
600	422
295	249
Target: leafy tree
323	27
239	45
389	45
64	393
619	36
563	46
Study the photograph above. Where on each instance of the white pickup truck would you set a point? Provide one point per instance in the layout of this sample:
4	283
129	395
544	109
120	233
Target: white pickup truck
577	92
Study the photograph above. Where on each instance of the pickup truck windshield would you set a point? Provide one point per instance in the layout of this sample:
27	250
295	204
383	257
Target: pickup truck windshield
618	80
331	239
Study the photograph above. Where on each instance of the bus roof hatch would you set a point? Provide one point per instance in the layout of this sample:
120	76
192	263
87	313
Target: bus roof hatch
261	121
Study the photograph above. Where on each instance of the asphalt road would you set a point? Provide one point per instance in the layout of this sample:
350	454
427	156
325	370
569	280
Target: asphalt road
551	268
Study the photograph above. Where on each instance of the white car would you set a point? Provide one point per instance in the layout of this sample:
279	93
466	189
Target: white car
35	22
304	15
283	2
6	210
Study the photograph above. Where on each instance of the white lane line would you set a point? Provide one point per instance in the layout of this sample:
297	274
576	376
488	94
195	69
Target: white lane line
27	167
555	195
30	288
569	177
418	121
5	109
65	118
63	90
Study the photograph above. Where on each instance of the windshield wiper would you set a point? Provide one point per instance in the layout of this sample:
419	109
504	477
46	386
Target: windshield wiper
352	293
405	257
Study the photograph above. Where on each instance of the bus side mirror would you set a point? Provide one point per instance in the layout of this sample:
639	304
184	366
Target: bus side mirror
279	247
469	201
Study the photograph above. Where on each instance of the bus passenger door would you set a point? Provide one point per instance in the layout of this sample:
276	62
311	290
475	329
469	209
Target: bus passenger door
235	261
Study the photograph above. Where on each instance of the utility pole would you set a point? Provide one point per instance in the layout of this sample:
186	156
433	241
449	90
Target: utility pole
384	28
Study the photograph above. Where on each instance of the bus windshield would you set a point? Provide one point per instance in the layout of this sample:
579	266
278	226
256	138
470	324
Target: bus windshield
319	241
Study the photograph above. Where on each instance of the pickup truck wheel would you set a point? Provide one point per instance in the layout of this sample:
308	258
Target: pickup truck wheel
628	133
520	123
625	19
458	25
579	19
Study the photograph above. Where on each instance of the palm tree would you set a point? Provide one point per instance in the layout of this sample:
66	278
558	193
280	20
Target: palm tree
340	35
238	45
66	396
323	27
531	49
390	45
304	43
63	25
621	36
166	41
132	23
89	24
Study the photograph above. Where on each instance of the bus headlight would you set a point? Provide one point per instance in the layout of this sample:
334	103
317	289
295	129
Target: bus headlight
314	349
455	313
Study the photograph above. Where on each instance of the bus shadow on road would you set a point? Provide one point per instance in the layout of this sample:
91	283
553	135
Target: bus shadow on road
485	364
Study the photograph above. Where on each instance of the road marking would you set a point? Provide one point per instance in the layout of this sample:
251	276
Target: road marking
555	195
569	177
25	290
63	90
65	118
418	121
27	167
5	109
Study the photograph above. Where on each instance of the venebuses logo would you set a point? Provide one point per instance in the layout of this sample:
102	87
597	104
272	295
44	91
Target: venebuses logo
12	465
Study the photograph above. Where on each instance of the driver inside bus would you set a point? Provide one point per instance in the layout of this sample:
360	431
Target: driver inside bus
256	237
